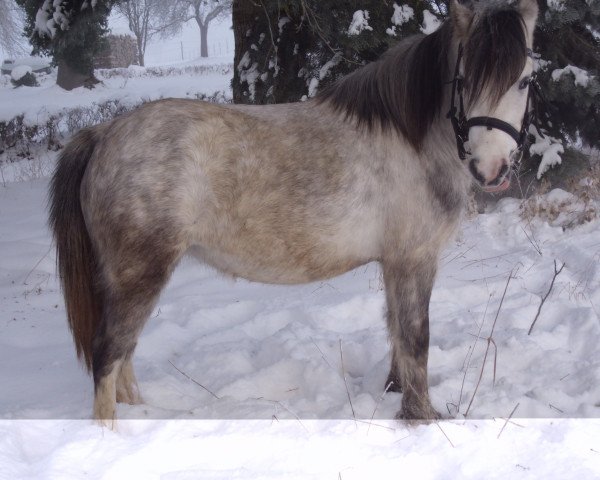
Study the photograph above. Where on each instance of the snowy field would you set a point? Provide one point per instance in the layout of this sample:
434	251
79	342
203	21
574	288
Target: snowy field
246	381
278	405
130	87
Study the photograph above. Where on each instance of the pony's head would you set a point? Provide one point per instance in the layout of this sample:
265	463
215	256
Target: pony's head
492	81
488	49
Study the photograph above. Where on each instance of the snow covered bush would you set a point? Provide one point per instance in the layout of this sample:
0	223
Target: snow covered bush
560	208
581	204
16	135
134	71
18	138
23	76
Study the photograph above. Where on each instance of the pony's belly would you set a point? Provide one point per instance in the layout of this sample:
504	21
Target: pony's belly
275	269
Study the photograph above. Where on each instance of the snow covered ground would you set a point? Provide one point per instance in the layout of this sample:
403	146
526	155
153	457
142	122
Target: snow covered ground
272	400
131	88
271	355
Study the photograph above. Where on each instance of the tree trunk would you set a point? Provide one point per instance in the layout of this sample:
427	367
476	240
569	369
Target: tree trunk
140	52
69	78
203	39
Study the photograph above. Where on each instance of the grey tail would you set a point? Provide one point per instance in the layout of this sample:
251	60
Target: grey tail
75	257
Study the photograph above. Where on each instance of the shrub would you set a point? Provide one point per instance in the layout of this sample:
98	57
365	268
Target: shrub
17	137
23	76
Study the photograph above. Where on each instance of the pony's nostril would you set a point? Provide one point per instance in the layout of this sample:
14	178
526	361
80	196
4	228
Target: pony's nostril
473	169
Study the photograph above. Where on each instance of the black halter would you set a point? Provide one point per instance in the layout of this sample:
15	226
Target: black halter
461	124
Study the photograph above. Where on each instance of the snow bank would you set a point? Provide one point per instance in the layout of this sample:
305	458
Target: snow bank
306	450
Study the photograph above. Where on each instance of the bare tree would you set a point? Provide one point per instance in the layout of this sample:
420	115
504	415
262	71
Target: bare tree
149	18
204	12
11	26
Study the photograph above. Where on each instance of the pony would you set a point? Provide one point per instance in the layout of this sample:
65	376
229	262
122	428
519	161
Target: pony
372	169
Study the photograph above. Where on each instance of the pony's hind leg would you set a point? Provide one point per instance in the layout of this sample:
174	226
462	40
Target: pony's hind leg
408	290
122	321
127	387
133	281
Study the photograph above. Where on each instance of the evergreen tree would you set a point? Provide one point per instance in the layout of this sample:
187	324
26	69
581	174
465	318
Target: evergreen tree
72	32
568	41
288	49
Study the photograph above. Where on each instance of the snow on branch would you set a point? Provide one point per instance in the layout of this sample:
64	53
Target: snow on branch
249	73
402	14
581	76
44	25
360	22
430	22
50	17
557	5
313	83
549	148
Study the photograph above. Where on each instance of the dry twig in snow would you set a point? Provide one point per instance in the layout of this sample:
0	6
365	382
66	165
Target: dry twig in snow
441	430
508	419
196	382
346	382
490	341
556	273
377	404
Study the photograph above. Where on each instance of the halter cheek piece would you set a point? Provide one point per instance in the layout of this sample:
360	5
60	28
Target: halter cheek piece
462	125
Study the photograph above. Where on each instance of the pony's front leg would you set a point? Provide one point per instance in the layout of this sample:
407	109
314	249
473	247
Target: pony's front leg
408	290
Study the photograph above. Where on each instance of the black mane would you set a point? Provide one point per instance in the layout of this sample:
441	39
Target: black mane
404	89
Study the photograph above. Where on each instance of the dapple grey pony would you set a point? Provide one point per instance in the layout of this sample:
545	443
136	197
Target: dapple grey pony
292	193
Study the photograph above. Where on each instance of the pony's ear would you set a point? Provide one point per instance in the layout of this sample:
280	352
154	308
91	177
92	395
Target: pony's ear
462	17
529	12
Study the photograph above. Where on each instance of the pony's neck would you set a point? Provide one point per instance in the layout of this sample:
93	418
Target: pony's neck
405	90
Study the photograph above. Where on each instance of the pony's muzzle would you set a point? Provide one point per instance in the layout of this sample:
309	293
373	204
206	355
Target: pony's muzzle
499	182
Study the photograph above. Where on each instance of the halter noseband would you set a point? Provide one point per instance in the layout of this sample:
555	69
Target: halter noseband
462	125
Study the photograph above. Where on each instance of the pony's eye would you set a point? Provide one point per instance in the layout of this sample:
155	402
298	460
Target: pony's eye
524	83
